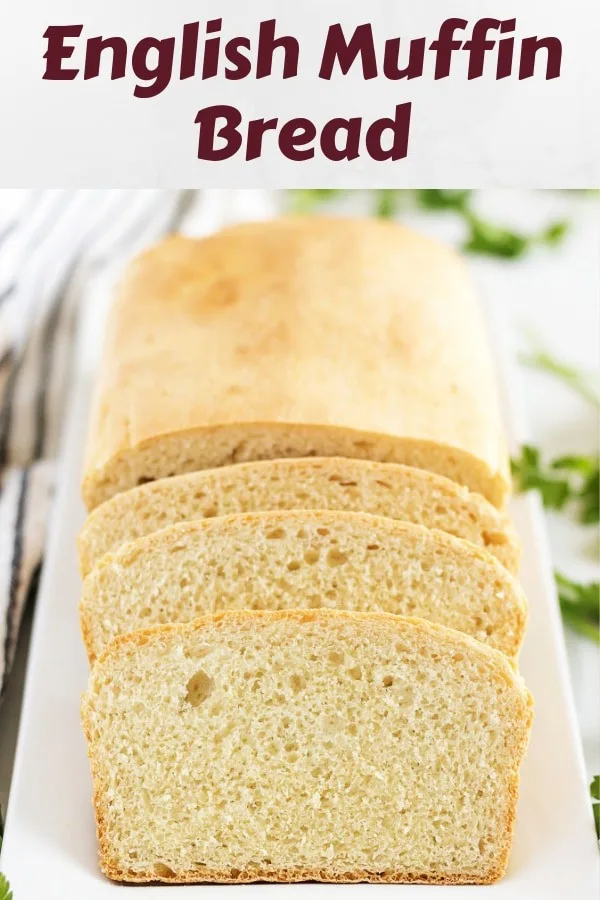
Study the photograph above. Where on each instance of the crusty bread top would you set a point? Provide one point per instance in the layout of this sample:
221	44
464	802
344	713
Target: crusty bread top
295	337
336	483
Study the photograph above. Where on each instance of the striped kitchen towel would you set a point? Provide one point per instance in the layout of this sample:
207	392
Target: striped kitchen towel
50	243
55	246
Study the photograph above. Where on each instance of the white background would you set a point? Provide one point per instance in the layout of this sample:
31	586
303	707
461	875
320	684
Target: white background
479	133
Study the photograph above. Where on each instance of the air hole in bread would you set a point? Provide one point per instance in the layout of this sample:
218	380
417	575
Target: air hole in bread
494	538
275	534
323	531
311	557
348	483
199	688
199	495
144	479
355	672
335	657
163	871
297	682
293	565
388	681
336	557
372	546
210	512
301	533
197	652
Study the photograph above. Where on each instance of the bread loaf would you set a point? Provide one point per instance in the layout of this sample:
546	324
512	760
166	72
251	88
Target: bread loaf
386	489
301	559
295	337
314	745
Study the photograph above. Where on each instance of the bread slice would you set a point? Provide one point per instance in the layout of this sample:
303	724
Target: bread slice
301	745
301	559
295	337
386	489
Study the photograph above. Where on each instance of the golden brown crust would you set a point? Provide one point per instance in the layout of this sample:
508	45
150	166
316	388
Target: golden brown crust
292	338
418	627
223	876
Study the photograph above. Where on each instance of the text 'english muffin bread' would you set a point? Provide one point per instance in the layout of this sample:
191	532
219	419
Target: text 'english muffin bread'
290	338
385	489
302	559
305	745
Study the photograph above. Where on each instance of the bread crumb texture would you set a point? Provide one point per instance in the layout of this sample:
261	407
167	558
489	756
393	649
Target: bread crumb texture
304	745
386	489
302	559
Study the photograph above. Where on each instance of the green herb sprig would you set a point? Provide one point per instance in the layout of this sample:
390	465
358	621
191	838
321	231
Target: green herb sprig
580	606
5	891
483	237
595	792
561	481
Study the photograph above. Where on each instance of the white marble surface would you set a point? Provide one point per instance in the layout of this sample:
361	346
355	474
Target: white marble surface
556	295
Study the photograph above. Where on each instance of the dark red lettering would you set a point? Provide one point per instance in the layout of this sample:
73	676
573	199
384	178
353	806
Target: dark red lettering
207	133
529	48
399	126
337	49
93	57
160	74
351	148
240	63
56	51
268	43
295	134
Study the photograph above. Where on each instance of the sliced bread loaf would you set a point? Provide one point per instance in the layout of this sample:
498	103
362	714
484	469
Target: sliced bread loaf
385	489
295	337
305	559
319	745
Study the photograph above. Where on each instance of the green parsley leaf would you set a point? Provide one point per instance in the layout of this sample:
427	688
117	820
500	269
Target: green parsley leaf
554	233
595	792
529	474
488	239
567	478
306	201
444	199
580	606
589	510
484	238
387	203
5	891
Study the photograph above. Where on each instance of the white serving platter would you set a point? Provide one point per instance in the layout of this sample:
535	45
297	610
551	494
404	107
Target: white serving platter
49	847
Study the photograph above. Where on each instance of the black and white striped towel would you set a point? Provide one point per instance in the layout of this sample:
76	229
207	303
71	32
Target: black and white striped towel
50	242
54	245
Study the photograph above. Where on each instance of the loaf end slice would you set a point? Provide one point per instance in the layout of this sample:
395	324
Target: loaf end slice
385	489
344	747
302	559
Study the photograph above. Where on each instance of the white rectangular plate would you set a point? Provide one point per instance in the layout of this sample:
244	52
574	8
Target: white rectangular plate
50	848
